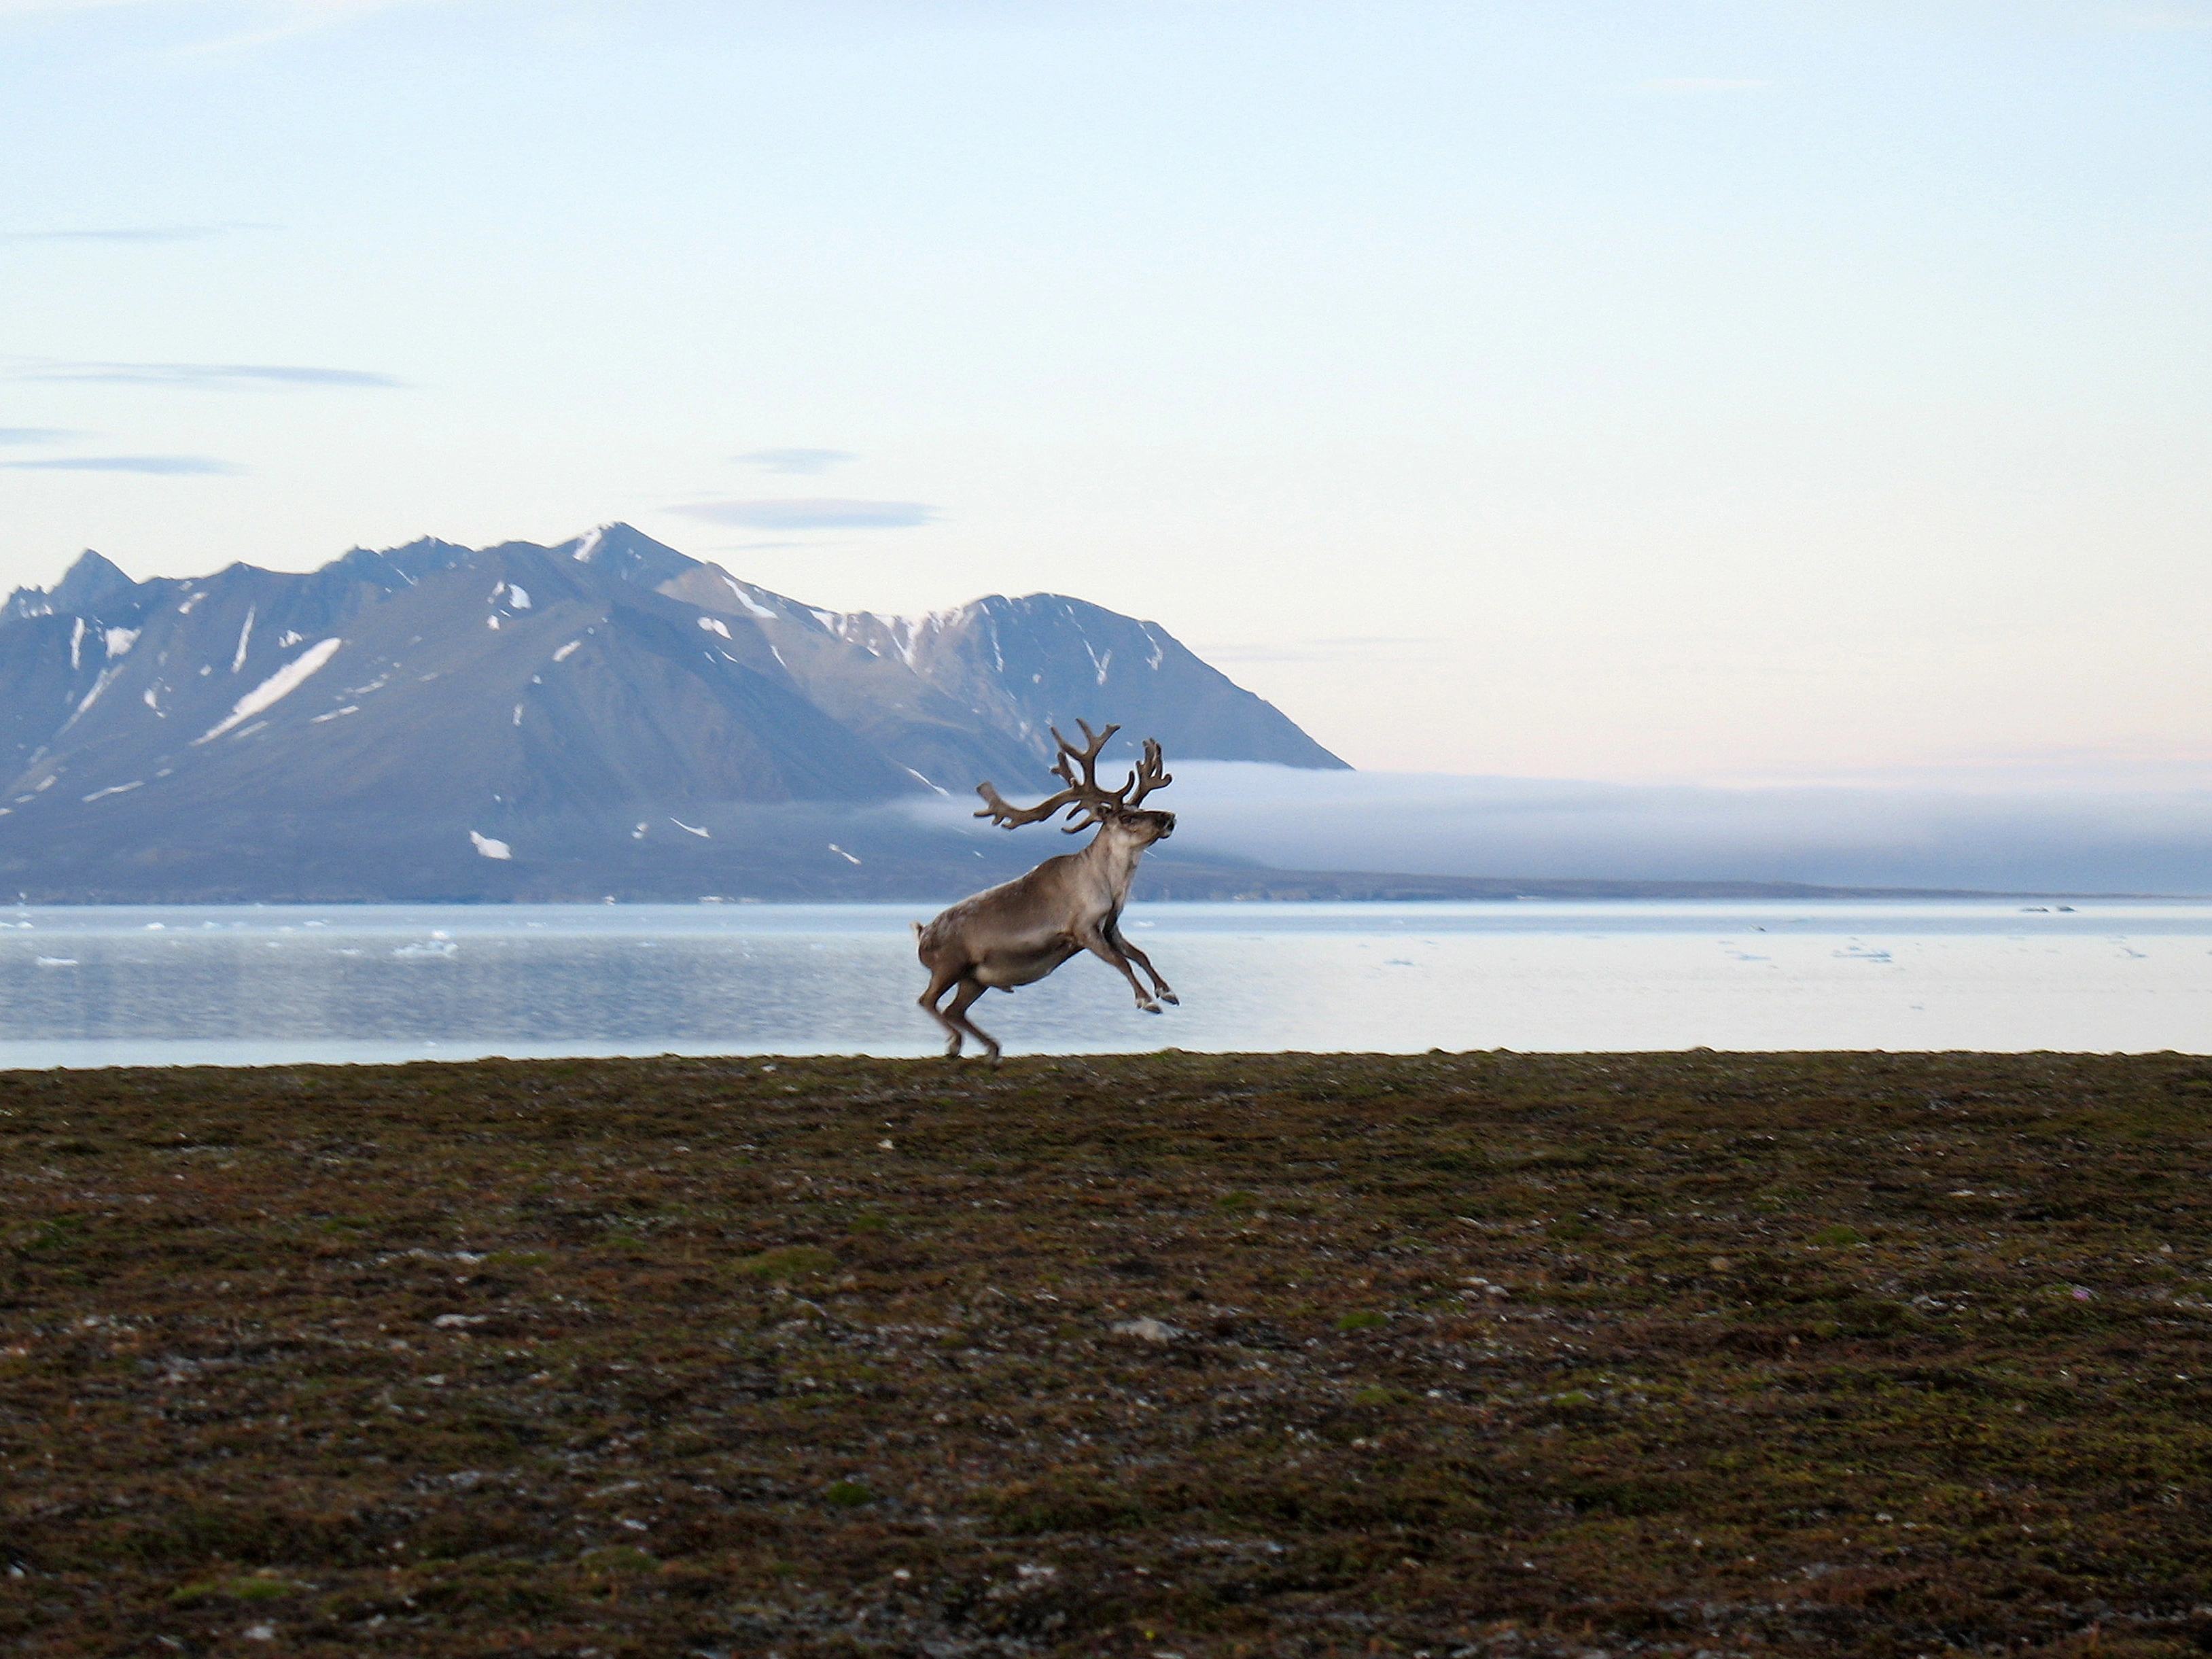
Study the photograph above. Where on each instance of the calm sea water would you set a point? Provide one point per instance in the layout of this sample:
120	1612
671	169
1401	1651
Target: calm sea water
258	986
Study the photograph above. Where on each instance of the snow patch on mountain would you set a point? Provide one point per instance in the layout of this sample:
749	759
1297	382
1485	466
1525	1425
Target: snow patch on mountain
281	684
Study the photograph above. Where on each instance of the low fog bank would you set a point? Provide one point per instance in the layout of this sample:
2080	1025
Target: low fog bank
1429	825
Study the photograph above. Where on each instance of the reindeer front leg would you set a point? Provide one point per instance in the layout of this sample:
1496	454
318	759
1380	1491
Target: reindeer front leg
1159	985
1100	944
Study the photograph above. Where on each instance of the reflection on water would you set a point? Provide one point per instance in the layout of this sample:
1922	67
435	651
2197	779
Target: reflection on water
264	985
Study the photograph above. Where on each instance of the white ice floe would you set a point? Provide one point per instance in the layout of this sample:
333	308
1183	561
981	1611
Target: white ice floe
439	944
120	640
519	597
153	699
518	714
842	854
693	828
491	622
491	848
117	789
281	683
562	655
57	962
715	625
350	709
289	638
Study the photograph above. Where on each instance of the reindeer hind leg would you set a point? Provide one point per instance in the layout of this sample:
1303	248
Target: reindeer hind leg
964	998
940	980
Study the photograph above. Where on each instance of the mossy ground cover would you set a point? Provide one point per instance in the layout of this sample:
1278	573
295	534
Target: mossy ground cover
1194	1355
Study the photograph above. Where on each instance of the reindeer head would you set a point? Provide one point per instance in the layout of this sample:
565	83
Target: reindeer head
1088	803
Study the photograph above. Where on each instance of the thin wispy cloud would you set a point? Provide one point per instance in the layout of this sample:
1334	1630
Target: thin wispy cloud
812	513
2160	18
32	435
136	233
160	466
794	460
276	20
1703	83
211	376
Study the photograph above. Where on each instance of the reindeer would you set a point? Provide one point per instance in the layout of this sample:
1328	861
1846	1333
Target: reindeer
1017	933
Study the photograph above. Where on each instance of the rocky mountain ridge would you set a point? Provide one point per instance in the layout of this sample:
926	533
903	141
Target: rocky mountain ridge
431	708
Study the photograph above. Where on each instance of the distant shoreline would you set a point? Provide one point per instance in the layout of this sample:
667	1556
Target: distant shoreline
1161	883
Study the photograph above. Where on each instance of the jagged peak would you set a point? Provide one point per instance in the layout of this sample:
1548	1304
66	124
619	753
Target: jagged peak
629	552
87	584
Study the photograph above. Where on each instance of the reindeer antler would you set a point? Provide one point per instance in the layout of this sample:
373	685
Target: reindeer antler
1082	792
1148	776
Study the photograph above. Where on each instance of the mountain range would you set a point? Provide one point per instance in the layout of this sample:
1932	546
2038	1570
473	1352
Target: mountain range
604	717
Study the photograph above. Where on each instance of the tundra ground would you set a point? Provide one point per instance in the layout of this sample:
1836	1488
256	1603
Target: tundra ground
1197	1355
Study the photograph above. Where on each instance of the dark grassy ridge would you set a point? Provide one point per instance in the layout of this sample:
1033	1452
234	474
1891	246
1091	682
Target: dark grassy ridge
1492	1354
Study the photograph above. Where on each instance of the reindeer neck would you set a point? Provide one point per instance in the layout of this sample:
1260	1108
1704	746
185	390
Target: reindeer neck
1114	859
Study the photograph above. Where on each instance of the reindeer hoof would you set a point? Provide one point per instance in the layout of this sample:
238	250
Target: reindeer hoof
1170	996
1148	1007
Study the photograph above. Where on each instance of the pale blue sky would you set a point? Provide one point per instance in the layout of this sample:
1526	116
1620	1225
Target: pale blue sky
1644	391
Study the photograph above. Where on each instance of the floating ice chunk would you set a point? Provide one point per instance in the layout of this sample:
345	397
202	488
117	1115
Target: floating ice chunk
289	638
842	854
562	655
120	640
350	709
281	684
117	789
56	962
518	714
715	625
693	828
519	597
488	847
491	622
438	944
